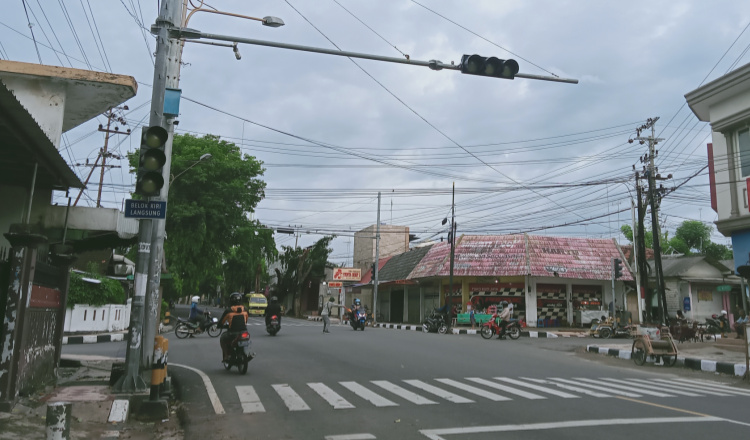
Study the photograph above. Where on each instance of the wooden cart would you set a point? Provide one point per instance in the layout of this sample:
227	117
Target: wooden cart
663	348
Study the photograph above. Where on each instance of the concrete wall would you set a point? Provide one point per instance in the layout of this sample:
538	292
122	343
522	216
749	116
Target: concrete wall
15	201
44	99
394	240
106	318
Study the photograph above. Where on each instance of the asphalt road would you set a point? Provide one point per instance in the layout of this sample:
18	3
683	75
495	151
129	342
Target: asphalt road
394	384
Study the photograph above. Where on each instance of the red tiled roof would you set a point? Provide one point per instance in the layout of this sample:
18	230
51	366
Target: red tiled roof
367	276
509	255
580	258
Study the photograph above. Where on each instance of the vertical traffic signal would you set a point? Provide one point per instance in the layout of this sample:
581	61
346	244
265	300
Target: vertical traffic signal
149	180
488	66
617	268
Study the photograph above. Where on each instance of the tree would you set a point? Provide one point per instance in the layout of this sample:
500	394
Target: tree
245	268
300	266
692	234
692	237
208	207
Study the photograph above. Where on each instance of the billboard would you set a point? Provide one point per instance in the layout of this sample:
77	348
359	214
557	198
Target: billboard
347	274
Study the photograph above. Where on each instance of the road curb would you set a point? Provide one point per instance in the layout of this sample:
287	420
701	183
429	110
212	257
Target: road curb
706	365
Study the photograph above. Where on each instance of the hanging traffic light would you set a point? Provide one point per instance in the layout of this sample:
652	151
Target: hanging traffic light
488	66
617	268
149	179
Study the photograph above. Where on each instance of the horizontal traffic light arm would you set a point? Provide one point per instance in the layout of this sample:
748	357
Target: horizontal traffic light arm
193	34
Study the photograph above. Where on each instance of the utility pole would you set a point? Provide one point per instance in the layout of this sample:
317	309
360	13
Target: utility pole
103	154
375	267
640	249
453	244
654	201
140	348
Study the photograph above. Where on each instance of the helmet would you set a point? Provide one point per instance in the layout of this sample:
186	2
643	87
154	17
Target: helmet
504	303
235	298
723	312
331	299
274	299
195	299
357	301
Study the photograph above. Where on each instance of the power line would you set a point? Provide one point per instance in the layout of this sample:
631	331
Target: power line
28	21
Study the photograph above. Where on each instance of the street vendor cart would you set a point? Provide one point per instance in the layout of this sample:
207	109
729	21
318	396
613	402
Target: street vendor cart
658	344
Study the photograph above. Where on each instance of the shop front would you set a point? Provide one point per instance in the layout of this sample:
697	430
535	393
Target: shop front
485	295
588	303
551	305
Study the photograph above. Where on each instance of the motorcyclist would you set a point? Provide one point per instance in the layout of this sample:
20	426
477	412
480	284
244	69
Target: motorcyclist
235	319
443	311
724	321
504	318
273	308
197	315
355	306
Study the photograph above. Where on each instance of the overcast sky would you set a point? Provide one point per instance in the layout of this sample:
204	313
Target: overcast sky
525	155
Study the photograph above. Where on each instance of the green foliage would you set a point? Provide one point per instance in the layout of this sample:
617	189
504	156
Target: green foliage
95	294
298	267
207	218
245	268
692	237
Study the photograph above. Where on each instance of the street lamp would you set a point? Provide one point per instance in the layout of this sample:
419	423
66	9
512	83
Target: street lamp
201	159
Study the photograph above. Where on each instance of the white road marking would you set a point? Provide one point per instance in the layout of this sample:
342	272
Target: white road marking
538	388
715	386
350	437
505	388
473	390
330	396
455	398
212	396
437	434
368	395
249	399
568	387
596	387
625	387
645	383
291	399
697	388
404	393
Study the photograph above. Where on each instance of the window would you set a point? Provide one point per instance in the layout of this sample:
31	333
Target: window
743	144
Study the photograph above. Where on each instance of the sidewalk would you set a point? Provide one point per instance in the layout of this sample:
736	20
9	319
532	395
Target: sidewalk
96	411
723	355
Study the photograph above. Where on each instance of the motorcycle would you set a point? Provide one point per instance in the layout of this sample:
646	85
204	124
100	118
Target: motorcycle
241	353
435	323
185	328
358	319
491	328
273	326
606	330
715	325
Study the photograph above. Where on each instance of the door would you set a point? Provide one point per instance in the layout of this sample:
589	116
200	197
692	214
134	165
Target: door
397	305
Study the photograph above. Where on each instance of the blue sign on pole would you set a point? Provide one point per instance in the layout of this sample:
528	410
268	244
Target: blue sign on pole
686	303
145	209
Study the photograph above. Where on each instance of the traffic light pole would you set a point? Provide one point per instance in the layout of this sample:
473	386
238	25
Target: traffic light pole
139	345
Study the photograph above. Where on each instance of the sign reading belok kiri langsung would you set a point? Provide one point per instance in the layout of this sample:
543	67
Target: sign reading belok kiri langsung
145	209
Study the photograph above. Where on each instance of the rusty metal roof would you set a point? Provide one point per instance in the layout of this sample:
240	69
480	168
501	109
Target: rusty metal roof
513	255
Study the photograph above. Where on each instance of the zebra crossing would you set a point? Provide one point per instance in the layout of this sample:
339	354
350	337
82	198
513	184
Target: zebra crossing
382	393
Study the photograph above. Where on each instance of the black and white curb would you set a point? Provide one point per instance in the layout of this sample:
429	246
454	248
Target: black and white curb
92	339
691	363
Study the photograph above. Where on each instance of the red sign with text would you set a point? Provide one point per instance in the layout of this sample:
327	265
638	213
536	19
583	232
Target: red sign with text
347	274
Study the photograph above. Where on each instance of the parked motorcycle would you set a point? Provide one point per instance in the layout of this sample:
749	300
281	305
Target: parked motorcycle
358	319
273	326
241	353
715	324
185	328
435	323
491	328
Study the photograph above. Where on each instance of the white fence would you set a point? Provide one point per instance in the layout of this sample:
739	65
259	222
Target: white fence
106	318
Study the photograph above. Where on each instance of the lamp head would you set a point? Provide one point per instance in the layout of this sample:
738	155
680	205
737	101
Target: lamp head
272	21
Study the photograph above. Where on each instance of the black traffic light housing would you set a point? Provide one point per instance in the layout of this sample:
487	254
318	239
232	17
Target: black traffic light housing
617	268
150	180
488	66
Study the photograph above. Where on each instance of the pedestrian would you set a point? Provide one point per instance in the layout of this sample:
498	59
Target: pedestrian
326	313
740	323
471	316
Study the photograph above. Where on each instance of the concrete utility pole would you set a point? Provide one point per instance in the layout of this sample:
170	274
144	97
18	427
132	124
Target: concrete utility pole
655	230
140	347
375	267
640	249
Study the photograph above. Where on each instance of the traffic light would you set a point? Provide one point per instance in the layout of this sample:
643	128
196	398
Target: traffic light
617	267
488	66
149	180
